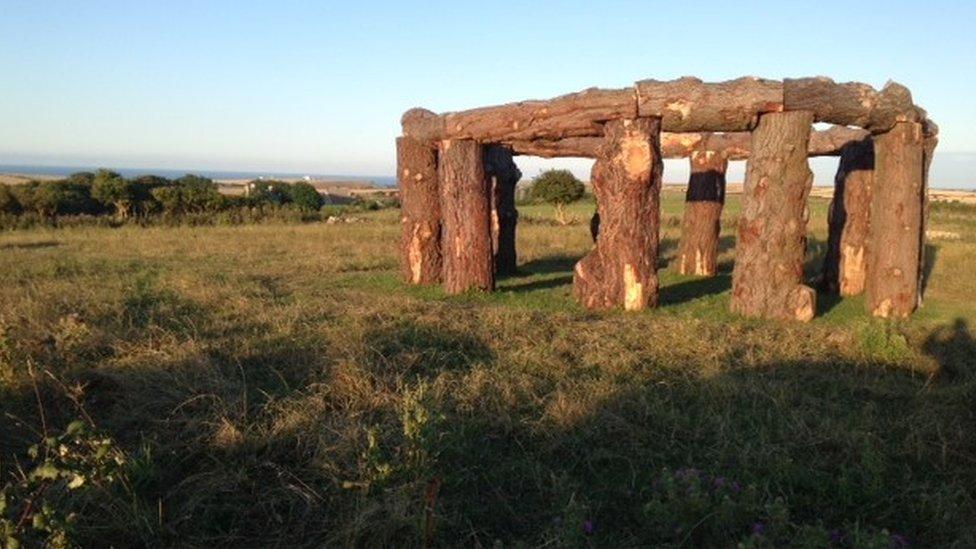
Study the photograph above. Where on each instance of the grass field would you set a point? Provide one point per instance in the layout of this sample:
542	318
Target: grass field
277	385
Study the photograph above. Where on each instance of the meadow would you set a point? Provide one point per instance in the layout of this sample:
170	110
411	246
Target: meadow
275	384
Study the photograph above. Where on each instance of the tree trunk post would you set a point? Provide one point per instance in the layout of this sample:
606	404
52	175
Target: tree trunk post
767	280
845	266
701	224
895	237
466	213
420	212
503	175
621	269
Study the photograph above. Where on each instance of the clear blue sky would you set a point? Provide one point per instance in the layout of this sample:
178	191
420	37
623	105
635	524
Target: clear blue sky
319	86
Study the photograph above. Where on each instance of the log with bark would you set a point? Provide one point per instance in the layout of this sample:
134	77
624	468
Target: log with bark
684	105
767	280
572	115
849	103
845	265
700	227
503	175
420	213
732	145
422	124
466	212
690	105
894	237
621	269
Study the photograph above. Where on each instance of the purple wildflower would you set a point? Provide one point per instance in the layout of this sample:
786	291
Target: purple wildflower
588	527
758	528
835	536
719	482
898	541
687	473
735	487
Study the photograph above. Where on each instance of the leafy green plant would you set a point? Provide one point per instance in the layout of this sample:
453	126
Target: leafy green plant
8	201
115	191
268	191
306	197
558	187
67	471
190	194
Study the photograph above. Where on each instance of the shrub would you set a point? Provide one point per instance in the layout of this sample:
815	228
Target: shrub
306	197
268	192
116	192
8	201
53	198
82	178
557	187
189	194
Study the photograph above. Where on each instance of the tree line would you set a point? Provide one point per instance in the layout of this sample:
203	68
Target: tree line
107	193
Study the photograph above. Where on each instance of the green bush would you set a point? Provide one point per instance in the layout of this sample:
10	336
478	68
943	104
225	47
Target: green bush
8	201
54	198
115	192
82	178
557	187
189	194
268	191
305	197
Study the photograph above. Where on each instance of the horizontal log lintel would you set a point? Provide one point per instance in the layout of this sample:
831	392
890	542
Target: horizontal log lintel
684	105
734	145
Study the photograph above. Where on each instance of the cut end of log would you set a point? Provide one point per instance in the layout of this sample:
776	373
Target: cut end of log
803	303
633	290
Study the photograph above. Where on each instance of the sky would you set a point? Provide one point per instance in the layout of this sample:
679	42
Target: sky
319	87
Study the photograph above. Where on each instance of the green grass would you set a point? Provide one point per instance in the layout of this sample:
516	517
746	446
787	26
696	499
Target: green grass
277	384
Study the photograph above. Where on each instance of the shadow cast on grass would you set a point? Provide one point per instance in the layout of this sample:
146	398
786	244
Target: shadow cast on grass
844	445
30	245
556	264
688	290
522	458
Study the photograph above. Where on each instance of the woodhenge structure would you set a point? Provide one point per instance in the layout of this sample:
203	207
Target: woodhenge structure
457	180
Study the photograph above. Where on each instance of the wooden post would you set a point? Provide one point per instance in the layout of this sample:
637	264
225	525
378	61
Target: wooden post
896	222
503	175
621	269
768	277
703	214
420	245
845	266
466	213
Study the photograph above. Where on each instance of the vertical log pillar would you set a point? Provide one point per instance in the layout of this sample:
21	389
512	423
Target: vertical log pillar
466	213
700	227
768	277
420	213
621	269
896	222
845	266
503	175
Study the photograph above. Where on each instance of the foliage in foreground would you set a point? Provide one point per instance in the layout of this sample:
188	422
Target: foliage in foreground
71	477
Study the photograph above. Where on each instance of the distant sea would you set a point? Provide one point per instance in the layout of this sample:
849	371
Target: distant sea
378	180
